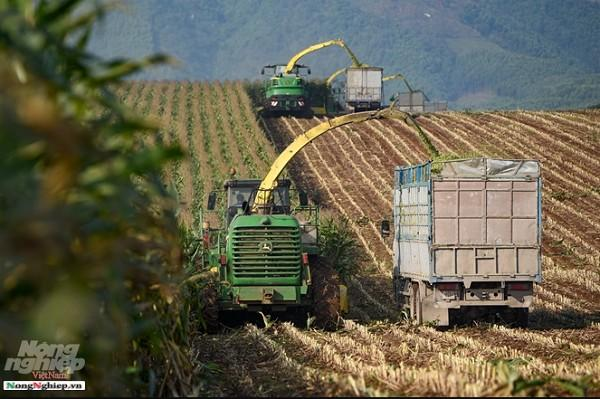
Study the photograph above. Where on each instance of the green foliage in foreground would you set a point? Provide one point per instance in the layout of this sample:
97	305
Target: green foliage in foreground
512	383
88	237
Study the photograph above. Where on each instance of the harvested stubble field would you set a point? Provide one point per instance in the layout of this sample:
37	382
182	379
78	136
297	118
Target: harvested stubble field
350	172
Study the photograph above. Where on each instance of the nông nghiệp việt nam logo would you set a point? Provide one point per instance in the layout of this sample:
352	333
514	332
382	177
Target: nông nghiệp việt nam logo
45	361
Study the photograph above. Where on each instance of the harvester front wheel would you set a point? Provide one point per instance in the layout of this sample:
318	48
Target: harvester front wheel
326	296
209	307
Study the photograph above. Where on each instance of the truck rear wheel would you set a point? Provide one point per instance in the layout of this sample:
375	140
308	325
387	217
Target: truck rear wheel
209	308
520	317
326	296
402	293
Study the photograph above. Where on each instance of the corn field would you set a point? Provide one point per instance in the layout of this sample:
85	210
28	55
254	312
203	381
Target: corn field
350	172
214	124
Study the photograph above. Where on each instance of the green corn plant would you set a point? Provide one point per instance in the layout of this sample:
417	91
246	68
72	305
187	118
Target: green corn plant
511	382
242	142
338	246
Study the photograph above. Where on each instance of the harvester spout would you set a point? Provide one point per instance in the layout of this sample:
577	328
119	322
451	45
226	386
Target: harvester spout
336	42
264	195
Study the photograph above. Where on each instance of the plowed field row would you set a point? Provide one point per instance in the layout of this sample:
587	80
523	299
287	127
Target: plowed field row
400	359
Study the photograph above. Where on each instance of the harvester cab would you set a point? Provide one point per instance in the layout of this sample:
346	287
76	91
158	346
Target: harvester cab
241	195
278	70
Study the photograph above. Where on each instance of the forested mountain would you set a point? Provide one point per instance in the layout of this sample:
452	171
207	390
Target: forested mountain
475	54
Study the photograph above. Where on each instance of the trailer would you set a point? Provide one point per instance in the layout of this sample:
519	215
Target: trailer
467	239
364	88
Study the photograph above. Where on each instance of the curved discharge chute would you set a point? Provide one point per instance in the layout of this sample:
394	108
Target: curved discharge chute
336	42
265	190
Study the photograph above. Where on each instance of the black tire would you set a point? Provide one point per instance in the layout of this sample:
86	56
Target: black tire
306	113
521	317
299	317
326	296
209	308
396	288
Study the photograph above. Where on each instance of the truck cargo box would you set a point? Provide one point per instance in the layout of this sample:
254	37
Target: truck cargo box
468	220
364	87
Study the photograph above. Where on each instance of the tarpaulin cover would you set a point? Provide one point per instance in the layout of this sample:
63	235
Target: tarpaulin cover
482	167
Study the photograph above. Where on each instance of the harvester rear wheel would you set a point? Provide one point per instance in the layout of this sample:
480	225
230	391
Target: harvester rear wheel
209	308
326	296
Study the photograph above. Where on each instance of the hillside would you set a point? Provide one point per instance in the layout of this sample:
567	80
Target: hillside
349	171
479	55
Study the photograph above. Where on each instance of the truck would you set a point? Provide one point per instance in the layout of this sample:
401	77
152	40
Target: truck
364	88
467	239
